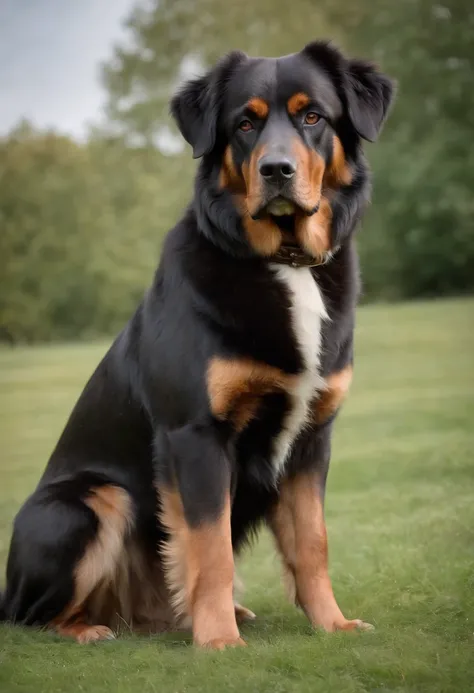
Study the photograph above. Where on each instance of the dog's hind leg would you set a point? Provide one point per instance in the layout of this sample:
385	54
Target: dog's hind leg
67	540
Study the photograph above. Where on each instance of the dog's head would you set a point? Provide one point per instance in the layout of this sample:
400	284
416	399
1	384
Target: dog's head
281	137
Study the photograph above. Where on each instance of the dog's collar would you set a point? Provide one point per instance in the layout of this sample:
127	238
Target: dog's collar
295	257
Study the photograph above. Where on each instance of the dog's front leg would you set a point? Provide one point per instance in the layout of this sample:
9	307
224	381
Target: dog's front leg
195	509
297	522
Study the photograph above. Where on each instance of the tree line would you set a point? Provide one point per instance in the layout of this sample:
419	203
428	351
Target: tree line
81	224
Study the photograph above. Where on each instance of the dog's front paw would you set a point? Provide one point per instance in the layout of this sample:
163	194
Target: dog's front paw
345	624
222	643
243	614
84	633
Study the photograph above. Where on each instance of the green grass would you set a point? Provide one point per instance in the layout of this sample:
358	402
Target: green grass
400	511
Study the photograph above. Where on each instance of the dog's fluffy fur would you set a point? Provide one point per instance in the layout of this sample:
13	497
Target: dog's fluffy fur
213	410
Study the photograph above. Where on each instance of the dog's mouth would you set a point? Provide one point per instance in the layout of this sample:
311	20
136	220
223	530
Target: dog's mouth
283	213
288	216
281	207
286	223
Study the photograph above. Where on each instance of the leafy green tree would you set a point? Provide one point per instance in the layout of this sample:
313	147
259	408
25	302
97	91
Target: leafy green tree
419	238
45	243
81	227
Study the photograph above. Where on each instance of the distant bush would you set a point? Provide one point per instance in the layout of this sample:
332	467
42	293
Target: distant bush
81	228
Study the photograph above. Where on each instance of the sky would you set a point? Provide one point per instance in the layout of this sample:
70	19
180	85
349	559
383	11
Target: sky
50	52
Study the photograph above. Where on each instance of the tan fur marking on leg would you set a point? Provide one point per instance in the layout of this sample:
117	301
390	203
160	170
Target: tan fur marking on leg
113	508
282	526
174	550
201	574
309	562
236	387
137	599
211	586
330	399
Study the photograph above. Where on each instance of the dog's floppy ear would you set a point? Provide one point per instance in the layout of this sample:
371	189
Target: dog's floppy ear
195	111
369	94
365	92
197	103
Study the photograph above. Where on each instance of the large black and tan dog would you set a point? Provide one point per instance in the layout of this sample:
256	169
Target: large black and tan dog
213	410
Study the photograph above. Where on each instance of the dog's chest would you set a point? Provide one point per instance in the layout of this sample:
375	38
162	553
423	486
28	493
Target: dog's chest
307	315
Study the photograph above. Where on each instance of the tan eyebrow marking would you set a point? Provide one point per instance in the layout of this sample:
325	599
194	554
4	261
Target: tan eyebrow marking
297	102
259	107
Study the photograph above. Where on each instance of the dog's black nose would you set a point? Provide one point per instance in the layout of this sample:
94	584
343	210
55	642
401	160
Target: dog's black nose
276	169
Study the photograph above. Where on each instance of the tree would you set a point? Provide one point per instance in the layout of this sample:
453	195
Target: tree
175	39
45	243
81	227
419	238
81	224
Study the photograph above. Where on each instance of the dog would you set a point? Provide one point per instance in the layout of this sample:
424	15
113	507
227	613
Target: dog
213	410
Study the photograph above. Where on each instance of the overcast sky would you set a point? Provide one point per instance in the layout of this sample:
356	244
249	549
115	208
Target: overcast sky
50	52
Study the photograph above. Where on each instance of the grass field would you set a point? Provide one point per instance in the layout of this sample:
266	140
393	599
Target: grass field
400	511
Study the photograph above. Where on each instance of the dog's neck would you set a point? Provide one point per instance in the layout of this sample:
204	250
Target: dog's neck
294	256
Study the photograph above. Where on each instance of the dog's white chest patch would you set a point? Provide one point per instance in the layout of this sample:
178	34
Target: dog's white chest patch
307	313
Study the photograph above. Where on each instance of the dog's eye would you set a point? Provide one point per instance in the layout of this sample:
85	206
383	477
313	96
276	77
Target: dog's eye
311	118
245	126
